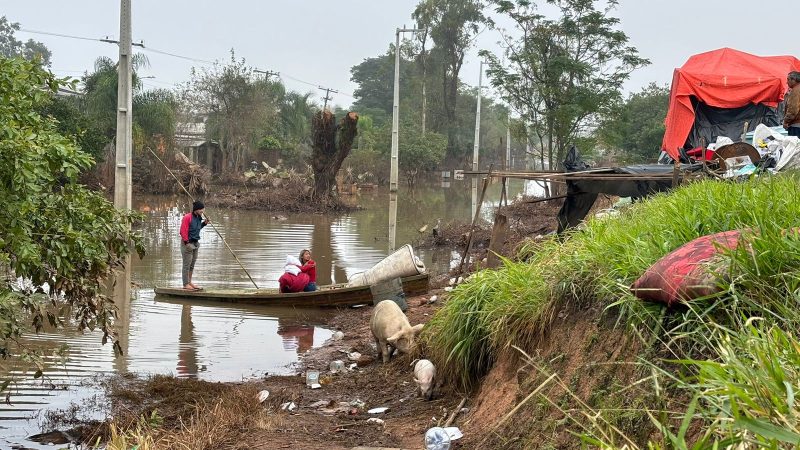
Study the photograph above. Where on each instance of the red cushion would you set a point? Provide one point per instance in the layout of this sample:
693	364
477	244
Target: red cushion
688	272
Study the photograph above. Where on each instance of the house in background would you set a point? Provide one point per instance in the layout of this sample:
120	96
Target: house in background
190	138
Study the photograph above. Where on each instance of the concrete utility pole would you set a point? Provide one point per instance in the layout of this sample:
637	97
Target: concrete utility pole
477	123
327	96
508	143
393	173
124	146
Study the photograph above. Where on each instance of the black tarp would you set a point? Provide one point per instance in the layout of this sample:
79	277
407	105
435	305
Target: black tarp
711	122
581	194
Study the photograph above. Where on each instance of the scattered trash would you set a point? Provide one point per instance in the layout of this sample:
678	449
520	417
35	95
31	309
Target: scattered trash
352	366
454	433
319	404
358	306
433	299
358	403
448	289
375	420
337	366
315	386
437	438
262	395
312	377
288	406
452	281
380	410
337	336
354	356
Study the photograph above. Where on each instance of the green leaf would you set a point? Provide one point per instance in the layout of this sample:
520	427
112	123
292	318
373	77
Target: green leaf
767	430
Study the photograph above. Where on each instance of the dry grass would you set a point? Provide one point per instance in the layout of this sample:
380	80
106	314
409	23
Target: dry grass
219	418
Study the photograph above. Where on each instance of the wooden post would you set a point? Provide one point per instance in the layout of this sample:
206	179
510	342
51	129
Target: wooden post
675	171
499	231
465	256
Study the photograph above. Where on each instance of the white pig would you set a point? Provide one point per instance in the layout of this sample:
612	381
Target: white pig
424	376
391	329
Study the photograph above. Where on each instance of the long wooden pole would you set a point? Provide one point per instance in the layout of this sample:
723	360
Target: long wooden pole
465	256
212	223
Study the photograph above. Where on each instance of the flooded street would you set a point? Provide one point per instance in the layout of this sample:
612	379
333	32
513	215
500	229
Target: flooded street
224	342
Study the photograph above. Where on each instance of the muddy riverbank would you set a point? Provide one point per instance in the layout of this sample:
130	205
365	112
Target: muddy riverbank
169	412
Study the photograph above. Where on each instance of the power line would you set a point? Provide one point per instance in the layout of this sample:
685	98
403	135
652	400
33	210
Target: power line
174	55
25	30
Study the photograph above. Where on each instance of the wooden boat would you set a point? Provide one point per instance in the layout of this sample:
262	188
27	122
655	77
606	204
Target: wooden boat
326	296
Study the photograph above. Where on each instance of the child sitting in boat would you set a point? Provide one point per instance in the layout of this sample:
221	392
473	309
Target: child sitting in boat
309	267
293	279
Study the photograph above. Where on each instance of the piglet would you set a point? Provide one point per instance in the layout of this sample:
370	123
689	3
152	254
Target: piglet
424	376
391	329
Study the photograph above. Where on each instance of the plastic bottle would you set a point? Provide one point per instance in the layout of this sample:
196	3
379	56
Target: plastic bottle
437	438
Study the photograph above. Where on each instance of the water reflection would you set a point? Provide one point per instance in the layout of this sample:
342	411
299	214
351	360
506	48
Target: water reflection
297	338
187	346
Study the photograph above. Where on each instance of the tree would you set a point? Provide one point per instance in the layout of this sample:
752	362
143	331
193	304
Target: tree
561	73
100	93
295	115
71	121
154	117
331	144
453	25
30	50
636	127
375	79
238	106
60	237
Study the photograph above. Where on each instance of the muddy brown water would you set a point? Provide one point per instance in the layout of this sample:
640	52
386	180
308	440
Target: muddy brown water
223	342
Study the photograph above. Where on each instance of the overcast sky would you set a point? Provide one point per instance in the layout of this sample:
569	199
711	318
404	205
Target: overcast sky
318	41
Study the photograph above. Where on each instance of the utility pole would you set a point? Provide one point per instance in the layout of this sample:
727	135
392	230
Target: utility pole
508	143
267	73
477	123
327	96
395	137
124	150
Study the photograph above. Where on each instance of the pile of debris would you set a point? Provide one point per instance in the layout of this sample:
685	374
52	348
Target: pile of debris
191	175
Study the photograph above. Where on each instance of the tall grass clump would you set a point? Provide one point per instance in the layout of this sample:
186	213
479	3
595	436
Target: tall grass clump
597	264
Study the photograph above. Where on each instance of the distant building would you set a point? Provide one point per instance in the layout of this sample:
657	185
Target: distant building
190	138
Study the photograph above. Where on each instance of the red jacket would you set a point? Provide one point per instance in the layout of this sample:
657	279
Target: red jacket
293	283
310	267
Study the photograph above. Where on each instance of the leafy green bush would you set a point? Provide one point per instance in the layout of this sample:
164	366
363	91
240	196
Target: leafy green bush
60	237
269	143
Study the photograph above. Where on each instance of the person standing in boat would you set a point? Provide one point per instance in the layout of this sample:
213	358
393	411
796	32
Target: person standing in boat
191	225
308	266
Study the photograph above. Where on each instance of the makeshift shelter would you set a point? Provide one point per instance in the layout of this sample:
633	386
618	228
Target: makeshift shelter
717	92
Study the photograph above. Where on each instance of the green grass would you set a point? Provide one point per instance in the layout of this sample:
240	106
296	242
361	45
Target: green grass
734	349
